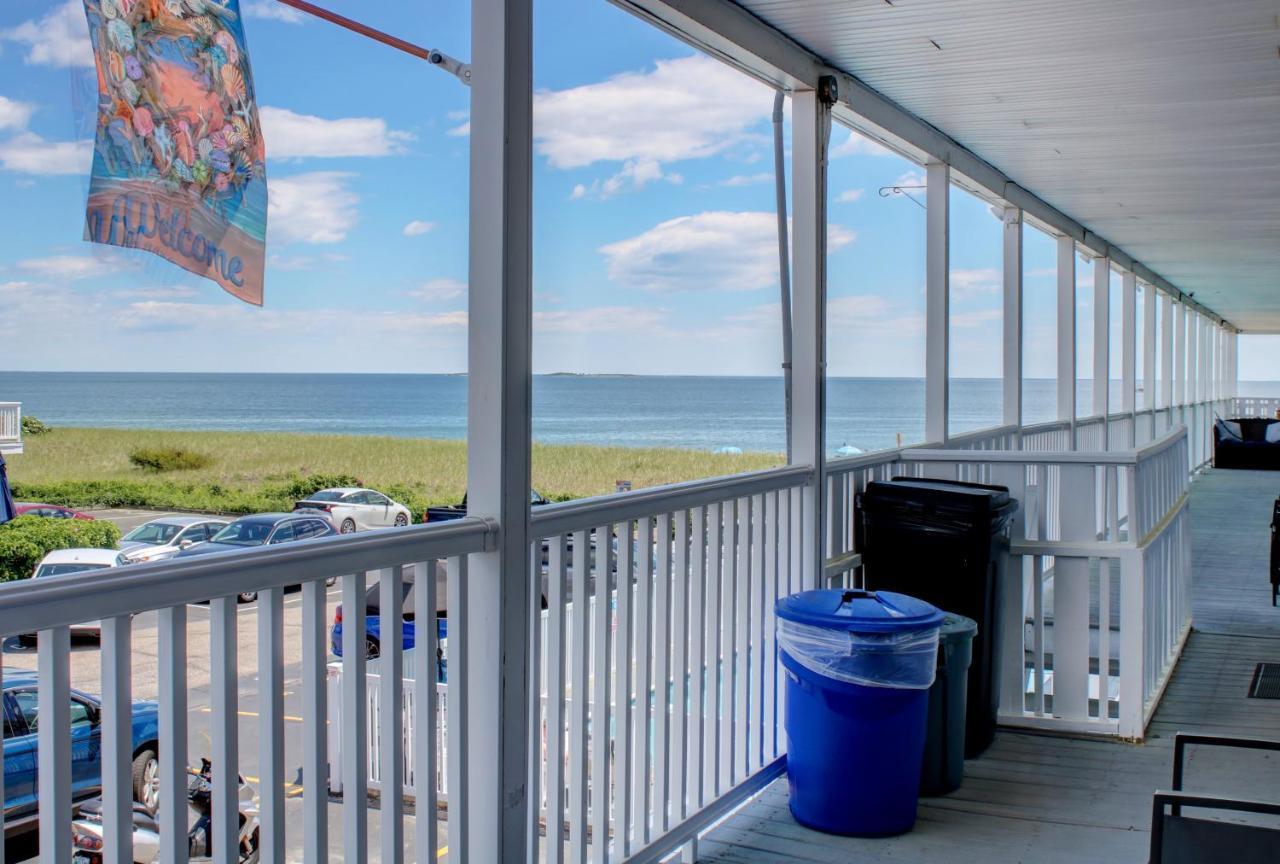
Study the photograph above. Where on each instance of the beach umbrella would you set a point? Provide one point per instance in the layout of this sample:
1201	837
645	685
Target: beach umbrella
7	510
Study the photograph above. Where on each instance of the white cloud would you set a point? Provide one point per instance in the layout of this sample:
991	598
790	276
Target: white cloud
417	228
303	262
688	108
14	114
290	135
318	207
172	292
60	38
976	318
975	283
435	290
462	130
270	10
28	153
72	267
635	174
848	196
598	319
747	179
715	250
859	145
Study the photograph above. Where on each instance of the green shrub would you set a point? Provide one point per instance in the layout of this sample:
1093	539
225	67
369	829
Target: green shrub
169	459
27	539
33	426
301	487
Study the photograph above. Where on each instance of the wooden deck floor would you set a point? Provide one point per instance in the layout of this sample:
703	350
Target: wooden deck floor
1044	799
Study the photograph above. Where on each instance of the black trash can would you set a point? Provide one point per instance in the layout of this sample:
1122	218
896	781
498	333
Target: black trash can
947	543
943	767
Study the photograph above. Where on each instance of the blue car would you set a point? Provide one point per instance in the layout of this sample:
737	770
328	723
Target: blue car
373	618
264	529
21	754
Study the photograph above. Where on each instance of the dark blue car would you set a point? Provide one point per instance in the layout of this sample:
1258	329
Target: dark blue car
264	529
21	754
373	617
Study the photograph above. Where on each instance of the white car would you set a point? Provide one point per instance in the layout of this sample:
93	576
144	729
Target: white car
163	538
60	562
353	510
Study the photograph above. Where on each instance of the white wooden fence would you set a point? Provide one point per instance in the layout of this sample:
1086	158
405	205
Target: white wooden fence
10	427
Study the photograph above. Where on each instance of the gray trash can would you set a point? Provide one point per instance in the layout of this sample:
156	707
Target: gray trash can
943	767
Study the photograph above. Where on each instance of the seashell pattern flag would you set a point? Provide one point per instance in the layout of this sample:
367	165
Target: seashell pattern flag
179	163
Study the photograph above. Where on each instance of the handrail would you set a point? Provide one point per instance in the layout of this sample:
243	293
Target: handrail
39	604
1050	457
585	513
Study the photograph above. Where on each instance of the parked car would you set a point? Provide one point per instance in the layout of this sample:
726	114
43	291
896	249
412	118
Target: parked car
373	614
61	562
163	538
357	509
263	529
21	710
457	511
52	511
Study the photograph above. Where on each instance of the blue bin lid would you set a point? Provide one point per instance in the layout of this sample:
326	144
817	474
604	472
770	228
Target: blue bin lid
859	611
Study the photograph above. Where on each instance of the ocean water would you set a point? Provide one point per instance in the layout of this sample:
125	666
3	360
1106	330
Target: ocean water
701	413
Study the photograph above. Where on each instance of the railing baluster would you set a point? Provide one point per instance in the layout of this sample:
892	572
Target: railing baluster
271	722
555	699
602	616
537	687
679	670
426	647
728	634
714	663
391	714
53	739
315	729
117	740
224	729
697	658
1037	633
171	644
662	678
624	655
580	697
1104	637
355	768
758	585
768	654
742	643
642	796
456	714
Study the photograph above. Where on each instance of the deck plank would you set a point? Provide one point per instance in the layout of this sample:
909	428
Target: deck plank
1047	798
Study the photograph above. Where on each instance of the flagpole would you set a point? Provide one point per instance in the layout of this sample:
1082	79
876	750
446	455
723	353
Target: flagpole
433	56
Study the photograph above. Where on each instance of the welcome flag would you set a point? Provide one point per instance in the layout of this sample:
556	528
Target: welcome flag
179	161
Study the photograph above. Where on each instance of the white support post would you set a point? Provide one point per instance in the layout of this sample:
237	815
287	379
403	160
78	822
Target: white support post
1233	366
1166	351
1149	351
937	328
1179	353
498	586
1129	353
1189	354
1102	345
1012	317
810	132
1067	333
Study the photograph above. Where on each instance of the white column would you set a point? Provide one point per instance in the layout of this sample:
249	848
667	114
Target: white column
1102	343
810	131
498	584
1149	349
1189	354
1012	317
1166	350
1067	332
1233	365
1129	352
1179	353
937	327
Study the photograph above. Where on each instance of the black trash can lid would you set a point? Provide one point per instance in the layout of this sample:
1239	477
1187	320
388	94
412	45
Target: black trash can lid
859	611
956	626
977	497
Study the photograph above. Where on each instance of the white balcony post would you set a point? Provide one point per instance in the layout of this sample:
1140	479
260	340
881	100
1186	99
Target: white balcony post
1129	353
1166	351
1233	365
1067	333
498	585
1102	345
1179	353
1012	317
810	133
1189	354
1149	351
937	383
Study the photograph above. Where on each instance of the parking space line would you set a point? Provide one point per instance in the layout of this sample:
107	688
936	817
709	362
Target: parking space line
291	790
205	709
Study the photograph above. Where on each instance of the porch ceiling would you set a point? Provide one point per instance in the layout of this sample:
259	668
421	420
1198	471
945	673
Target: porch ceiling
1155	123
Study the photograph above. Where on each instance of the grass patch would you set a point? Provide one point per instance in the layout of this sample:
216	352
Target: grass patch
261	471
161	459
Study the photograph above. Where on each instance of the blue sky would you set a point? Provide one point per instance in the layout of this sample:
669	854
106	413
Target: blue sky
654	227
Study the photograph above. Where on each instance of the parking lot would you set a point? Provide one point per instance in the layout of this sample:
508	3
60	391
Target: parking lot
86	675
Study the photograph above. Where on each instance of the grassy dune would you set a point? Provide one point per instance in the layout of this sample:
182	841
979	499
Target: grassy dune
252	471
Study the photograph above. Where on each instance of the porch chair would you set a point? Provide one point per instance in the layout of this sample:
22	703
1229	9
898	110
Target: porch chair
1179	839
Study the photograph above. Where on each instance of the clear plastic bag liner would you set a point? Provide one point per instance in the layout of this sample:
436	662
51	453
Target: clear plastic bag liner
906	660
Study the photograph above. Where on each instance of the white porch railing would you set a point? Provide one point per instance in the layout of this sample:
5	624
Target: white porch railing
10	427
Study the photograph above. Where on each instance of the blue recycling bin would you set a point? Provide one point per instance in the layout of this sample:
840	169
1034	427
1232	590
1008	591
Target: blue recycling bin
859	665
